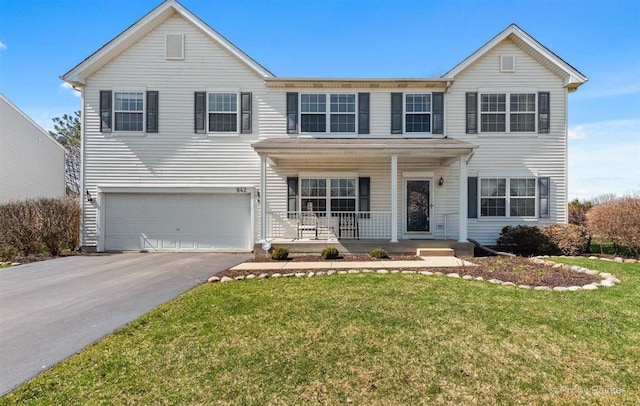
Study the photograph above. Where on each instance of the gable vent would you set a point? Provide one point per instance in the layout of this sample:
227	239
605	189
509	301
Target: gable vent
507	63
174	46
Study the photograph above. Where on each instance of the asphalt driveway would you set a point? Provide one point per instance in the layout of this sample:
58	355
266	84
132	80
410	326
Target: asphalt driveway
50	310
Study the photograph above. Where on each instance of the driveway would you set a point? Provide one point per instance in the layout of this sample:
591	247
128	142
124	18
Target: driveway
50	310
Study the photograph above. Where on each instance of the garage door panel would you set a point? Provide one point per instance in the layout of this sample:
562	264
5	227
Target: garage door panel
176	222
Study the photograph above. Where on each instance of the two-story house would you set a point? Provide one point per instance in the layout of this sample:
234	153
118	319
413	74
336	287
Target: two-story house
189	144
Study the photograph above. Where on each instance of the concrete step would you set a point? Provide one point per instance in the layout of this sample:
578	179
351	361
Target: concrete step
435	252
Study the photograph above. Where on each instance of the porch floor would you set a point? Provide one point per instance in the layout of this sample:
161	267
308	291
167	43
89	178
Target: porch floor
306	246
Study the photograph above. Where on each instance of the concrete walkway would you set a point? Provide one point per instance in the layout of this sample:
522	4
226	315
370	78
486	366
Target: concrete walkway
427	262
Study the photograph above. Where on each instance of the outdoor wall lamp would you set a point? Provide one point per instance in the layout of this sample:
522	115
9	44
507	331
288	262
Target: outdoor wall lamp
89	198
441	181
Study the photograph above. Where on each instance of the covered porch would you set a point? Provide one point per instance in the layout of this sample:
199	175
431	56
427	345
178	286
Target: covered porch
355	189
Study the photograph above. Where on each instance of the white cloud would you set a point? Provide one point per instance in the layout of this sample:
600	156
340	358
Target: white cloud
2	46
576	132
604	157
67	87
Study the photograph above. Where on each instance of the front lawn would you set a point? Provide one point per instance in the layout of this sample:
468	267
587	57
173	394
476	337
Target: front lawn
366	339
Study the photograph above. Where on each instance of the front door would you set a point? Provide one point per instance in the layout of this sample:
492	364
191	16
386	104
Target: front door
418	207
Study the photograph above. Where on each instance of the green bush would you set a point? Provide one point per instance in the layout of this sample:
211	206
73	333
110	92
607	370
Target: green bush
280	253
28	226
556	239
330	253
378	253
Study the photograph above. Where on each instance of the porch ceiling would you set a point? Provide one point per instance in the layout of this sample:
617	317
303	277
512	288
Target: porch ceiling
355	148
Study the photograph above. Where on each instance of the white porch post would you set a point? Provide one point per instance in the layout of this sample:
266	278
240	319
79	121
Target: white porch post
263	198
462	219
394	198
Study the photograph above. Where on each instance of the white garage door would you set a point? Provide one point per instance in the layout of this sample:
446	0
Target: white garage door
177	222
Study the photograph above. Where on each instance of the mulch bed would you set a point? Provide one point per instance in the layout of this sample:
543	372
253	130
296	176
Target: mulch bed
518	270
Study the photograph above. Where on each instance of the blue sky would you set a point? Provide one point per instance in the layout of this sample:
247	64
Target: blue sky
42	39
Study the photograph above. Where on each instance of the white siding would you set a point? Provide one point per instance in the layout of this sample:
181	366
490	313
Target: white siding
513	154
31	162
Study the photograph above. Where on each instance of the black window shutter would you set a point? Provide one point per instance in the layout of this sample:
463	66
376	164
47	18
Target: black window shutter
396	113
200	112
438	113
152	111
292	194
105	111
363	113
245	108
364	194
543	112
544	184
472	112
292	113
472	197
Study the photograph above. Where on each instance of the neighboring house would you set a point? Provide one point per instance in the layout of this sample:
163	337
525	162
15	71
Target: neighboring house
189	144
31	161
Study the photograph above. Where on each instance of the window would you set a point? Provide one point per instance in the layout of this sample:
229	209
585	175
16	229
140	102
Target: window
523	112
341	117
128	108
223	112
418	113
515	196
518	115
335	194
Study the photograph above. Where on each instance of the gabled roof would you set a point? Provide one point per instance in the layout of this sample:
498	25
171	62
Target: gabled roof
78	75
30	121
572	77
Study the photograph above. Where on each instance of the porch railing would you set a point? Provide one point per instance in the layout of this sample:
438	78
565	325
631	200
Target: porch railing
333	225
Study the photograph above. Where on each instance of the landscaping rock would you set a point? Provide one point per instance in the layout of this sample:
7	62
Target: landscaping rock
426	273
213	279
590	287
300	274
524	286
288	275
574	268
353	271
606	259
276	275
408	271
508	284
591	272
496	281
607	283
542	288
479	278
605	275
239	278
614	279
618	259
592	257
559	289
342	272
263	276
331	272
251	276
453	275
438	273
310	275
630	260
15	263
556	266
467	277
395	271
574	288
225	279
321	273
382	271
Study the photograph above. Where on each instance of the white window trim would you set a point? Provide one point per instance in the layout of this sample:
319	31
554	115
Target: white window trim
328	196
327	114
238	113
408	134
507	197
507	112
144	110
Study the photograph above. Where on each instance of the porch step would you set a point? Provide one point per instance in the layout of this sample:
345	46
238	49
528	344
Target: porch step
434	252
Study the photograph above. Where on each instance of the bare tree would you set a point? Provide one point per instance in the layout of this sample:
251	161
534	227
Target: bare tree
67	132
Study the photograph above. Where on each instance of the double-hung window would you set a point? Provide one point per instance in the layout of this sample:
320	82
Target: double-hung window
313	195
335	194
513	111
343	194
222	112
508	197
128	109
418	113
332	113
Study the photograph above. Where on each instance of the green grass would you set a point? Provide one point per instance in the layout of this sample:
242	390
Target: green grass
602	246
365	339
